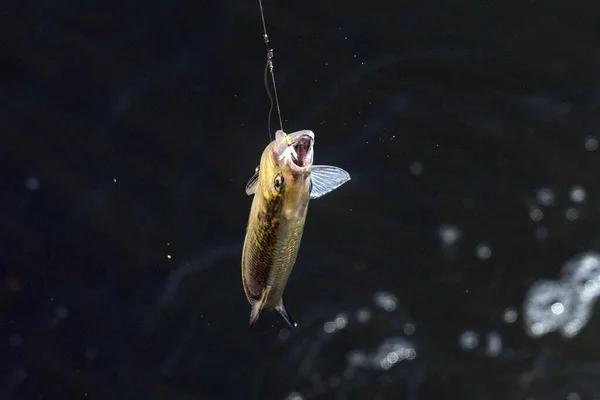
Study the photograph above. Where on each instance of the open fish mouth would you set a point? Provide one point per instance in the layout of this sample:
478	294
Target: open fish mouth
302	154
295	149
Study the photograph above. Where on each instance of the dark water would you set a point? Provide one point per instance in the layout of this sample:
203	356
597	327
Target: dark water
469	128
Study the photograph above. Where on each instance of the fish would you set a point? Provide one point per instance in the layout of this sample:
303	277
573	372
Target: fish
283	184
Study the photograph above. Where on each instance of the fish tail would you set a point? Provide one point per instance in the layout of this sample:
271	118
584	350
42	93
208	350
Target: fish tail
285	313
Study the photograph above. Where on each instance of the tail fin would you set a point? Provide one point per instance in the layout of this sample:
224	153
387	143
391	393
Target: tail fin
285	313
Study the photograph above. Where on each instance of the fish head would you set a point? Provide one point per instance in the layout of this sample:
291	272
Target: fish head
285	166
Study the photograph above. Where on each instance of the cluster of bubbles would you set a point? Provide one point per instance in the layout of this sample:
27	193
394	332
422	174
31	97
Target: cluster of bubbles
545	197
564	305
469	340
391	351
385	300
338	323
450	235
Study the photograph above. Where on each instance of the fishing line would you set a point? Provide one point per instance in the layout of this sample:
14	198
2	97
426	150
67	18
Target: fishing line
269	68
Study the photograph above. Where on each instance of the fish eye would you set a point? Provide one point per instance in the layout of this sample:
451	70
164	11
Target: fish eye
257	169
278	183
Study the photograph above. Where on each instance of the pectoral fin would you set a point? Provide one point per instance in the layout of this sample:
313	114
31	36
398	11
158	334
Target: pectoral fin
285	313
257	306
251	185
325	178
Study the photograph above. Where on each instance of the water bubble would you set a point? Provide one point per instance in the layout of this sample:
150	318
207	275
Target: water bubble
284	334
356	358
32	183
541	233
538	329
340	321
577	194
416	168
573	396
536	214
392	351
409	329
329	327
61	312
20	373
510	315
572	214
15	340
393	357
468	340
363	315
385	300
385	363
540	307
545	196
557	308
294	396
578	319
449	234
483	251
494	344
583	272
591	143
91	353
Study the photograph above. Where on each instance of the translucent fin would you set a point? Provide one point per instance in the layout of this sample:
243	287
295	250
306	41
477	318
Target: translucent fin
325	178
258	305
285	313
251	185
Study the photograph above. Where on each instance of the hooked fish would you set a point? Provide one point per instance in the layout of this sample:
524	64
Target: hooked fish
282	185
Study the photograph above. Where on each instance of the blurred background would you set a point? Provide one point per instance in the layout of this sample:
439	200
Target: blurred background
458	263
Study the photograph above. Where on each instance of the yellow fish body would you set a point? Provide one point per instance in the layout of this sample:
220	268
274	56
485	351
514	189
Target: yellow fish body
282	186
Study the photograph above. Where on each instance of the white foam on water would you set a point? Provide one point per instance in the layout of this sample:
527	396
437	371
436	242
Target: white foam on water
294	396
583	273
578	319
541	304
392	351
386	300
564	305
